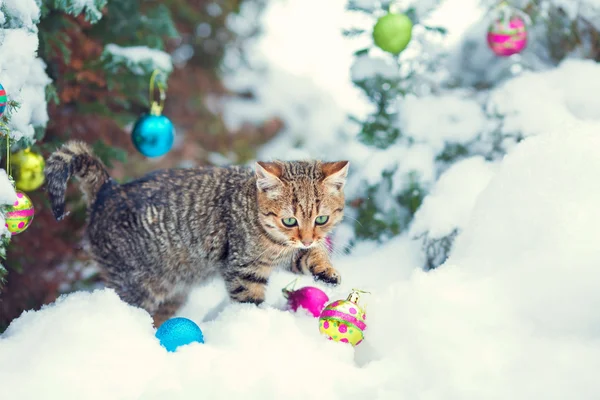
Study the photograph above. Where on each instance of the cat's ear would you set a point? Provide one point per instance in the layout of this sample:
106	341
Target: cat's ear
267	178
335	174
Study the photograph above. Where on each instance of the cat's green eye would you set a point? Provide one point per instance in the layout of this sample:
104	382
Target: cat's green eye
322	219
289	222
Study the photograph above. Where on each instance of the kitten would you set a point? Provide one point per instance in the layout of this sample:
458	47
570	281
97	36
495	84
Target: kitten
156	237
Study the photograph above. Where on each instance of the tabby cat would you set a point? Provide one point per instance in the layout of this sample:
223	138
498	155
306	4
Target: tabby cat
156	237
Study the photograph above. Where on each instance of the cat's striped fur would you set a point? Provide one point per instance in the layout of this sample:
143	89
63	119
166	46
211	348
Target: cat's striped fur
157	236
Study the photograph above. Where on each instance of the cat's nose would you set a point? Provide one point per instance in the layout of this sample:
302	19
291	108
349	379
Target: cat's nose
307	242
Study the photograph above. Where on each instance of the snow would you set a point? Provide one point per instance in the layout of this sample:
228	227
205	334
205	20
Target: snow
22	13
24	77
512	314
538	102
92	8
7	197
140	59
365	67
441	119
533	229
450	201
7	191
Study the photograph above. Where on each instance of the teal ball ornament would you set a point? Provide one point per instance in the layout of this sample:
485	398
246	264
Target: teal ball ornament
153	135
177	332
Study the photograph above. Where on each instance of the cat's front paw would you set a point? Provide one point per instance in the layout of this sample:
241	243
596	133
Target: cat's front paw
327	275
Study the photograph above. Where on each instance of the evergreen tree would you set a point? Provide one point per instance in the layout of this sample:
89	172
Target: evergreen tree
94	47
428	72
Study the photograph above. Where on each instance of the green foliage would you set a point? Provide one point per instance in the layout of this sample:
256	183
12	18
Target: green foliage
150	26
386	209
379	219
108	154
131	75
437	250
91	8
380	129
126	23
453	152
372	223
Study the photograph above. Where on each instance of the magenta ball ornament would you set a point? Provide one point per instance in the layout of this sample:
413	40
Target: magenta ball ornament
310	298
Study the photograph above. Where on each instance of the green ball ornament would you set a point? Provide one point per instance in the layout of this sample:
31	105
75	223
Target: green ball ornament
392	33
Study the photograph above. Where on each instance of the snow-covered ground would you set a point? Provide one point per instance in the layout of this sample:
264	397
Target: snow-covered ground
512	314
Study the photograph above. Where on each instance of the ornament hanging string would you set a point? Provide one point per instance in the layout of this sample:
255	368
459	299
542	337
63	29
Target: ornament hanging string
8	171
353	297
507	12
8	156
286	290
156	108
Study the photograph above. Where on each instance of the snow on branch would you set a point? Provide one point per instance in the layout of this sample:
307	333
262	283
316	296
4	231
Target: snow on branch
140	60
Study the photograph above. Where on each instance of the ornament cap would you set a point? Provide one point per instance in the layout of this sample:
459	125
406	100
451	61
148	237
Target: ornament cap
354	296
155	109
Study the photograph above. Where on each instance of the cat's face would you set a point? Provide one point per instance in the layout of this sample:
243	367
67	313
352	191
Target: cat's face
300	202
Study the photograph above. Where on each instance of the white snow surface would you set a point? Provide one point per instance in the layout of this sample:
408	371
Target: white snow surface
539	102
512	314
436	120
451	199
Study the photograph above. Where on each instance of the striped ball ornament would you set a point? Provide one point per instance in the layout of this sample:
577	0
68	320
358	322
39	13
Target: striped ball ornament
507	37
20	214
3	100
344	321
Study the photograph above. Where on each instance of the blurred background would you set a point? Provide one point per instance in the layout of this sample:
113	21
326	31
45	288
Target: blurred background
265	79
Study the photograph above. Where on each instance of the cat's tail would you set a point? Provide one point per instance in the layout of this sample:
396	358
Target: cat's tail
76	159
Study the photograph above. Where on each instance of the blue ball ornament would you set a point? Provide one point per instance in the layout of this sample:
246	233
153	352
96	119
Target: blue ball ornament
177	332
153	135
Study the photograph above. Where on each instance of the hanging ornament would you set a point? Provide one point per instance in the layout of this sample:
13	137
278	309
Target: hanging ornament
392	33
20	215
344	320
153	134
310	298
28	170
3	100
507	34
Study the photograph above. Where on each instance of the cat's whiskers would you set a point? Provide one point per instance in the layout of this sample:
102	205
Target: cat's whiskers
335	251
353	219
281	254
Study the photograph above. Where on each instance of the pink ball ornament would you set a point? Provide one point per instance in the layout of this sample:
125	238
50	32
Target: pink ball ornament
507	36
310	298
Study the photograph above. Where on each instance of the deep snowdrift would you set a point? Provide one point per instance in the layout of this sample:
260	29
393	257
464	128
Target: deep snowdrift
512	314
